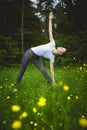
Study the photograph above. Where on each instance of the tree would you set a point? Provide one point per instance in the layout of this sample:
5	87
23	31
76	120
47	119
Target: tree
22	27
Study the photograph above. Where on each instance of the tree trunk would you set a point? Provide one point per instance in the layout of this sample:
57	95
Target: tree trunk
22	28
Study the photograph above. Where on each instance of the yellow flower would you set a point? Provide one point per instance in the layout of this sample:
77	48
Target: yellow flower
66	88
68	97
23	115
74	58
60	83
16	124
1	87
80	68
12	84
8	97
15	108
39	114
6	79
60	124
43	128
41	102
77	97
83	122
83	116
31	122
34	110
35	124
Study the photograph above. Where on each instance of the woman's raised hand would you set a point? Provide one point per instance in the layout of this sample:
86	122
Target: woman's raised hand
51	15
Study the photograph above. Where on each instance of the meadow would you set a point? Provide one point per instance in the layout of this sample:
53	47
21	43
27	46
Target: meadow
37	105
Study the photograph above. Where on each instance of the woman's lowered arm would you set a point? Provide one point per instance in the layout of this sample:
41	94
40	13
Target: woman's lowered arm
52	72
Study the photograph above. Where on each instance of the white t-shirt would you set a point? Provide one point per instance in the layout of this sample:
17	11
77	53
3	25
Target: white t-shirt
45	50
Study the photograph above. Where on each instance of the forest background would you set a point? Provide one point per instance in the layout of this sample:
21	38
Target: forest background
24	23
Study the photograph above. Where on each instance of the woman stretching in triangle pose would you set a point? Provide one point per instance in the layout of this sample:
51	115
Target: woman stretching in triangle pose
47	51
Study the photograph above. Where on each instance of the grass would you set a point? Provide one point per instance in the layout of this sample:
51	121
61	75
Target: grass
42	106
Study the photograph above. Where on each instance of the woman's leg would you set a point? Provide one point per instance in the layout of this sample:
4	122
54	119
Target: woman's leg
41	67
25	61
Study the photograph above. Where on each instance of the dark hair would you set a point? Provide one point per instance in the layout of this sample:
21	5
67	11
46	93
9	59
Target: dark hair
64	54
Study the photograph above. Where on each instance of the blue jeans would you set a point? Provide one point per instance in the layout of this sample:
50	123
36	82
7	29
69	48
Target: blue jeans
30	56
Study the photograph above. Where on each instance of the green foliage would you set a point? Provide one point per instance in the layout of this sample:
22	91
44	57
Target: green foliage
76	46
63	107
8	50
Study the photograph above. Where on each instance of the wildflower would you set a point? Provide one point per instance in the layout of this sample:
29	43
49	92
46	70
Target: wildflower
39	114
83	122
6	79
51	126
84	64
15	108
80	68
77	97
74	58
35	124
31	122
68	97
23	115
60	124
34	110
42	102
4	122
1	87
66	88
83	116
15	90
8	97
12	84
60	83
16	124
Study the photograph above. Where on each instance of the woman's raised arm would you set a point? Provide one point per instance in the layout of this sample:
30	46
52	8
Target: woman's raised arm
50	27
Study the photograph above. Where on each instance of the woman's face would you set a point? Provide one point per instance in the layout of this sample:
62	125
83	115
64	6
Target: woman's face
59	50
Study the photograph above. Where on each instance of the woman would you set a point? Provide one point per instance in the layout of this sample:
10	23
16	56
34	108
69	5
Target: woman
47	51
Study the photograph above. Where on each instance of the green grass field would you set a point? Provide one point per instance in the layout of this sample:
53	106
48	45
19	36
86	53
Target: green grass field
37	105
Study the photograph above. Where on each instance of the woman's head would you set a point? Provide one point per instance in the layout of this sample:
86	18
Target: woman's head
59	50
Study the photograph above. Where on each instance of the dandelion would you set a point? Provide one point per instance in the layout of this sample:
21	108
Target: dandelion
60	124
35	128
15	108
60	83
8	97
15	90
31	122
35	124
6	79
80	68
12	84
83	122
4	122
77	97
41	102
51	126
17	124
66	88
1	87
34	110
84	64
68	97
23	115
74	58
83	116
39	114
